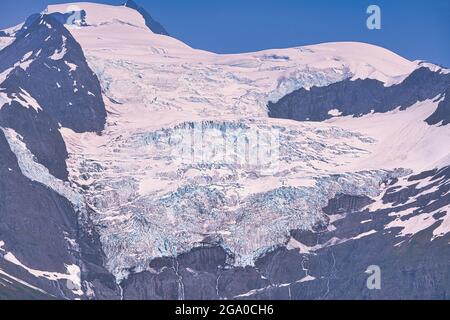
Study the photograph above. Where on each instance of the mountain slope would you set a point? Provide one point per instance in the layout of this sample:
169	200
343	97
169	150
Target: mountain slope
150	166
46	238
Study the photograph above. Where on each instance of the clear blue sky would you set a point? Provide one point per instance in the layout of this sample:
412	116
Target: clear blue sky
416	29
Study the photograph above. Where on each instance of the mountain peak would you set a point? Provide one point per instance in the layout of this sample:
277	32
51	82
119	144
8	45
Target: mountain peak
131	4
95	14
152	24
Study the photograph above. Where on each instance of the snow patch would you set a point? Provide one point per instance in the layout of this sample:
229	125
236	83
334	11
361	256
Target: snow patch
4	99
403	138
23	98
412	225
6	41
59	54
363	235
72	66
5	74
73	273
26	100
307	279
27	56
335	113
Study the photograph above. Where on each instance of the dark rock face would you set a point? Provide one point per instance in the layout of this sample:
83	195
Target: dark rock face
192	276
336	259
161	286
152	24
362	97
58	77
65	88
28	22
15	289
442	114
345	204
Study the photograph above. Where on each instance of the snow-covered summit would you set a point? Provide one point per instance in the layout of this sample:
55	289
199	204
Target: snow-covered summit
100	14
130	24
94	14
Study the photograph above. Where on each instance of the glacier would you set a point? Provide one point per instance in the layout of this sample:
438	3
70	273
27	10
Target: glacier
190	159
149	202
